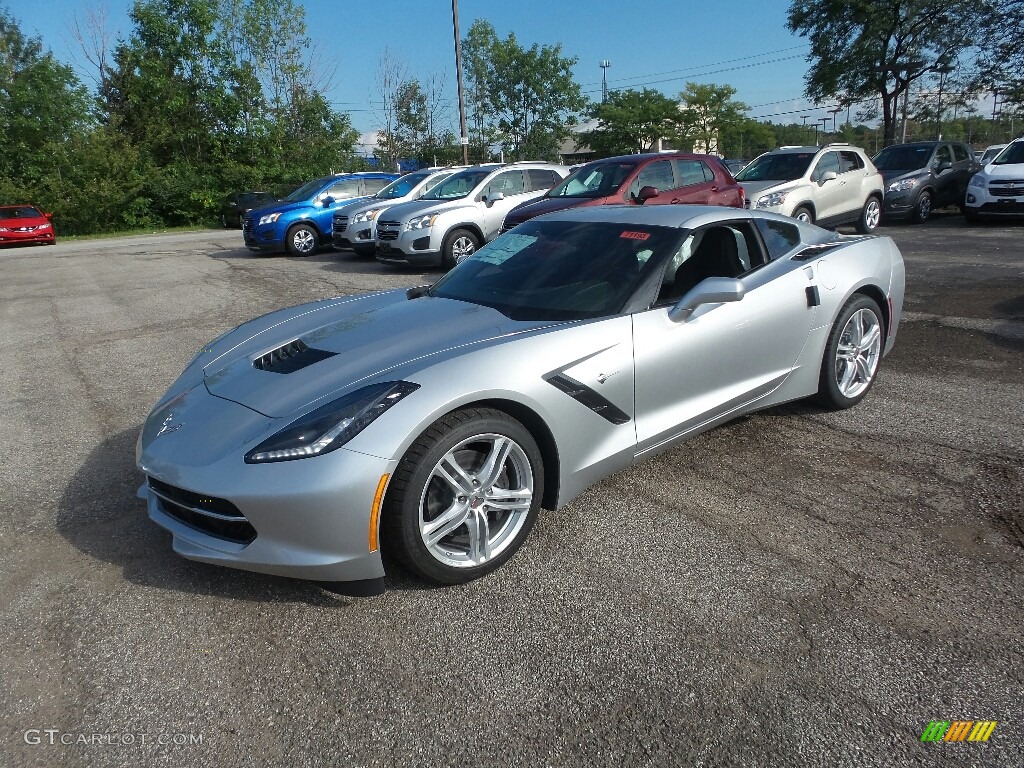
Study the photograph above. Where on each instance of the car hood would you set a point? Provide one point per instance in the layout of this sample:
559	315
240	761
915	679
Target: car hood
405	211
525	211
368	204
753	189
367	337
888	176
1007	171
22	221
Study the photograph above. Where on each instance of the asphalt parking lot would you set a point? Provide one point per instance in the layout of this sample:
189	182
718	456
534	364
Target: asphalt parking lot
797	588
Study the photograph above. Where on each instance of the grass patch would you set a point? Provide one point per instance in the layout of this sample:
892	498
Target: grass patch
135	232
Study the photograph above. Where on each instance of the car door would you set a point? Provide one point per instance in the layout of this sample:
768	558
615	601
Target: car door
340	192
830	197
510	184
695	184
945	176
658	174
725	355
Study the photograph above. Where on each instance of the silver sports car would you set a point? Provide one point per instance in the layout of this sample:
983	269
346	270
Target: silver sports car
435	422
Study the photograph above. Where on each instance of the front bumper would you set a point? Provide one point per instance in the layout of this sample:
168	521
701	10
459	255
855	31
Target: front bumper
417	247
307	519
13	237
900	204
1008	200
262	238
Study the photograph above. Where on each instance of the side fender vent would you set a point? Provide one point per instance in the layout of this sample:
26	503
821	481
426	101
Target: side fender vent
293	356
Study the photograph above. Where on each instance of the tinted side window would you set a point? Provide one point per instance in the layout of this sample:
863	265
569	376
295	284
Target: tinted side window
850	161
657	174
779	237
721	250
343	189
944	155
960	153
692	172
541	180
828	162
373	186
508	183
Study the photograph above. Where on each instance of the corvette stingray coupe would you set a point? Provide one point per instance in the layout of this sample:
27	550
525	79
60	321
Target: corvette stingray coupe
435	422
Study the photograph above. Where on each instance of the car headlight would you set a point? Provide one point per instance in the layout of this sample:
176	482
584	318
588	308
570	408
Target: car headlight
332	425
3	229
977	180
772	199
902	185
270	218
43	226
365	216
422	222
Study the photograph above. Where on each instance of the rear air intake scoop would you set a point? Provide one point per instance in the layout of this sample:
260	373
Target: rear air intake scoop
293	356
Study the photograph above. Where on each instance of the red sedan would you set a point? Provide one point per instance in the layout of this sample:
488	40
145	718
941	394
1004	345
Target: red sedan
25	224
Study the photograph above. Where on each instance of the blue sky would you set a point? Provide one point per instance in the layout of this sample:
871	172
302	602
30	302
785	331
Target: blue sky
659	44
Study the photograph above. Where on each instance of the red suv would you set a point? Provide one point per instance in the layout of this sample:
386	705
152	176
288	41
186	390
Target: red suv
656	178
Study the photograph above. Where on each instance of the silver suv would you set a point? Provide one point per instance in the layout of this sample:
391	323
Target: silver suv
355	224
831	185
460	214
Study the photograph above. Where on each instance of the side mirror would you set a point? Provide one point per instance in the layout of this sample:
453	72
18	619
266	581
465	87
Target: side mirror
711	290
944	165
492	197
328	201
828	176
48	215
646	193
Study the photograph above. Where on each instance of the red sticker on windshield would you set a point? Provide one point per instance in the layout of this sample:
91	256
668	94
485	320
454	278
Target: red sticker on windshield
635	235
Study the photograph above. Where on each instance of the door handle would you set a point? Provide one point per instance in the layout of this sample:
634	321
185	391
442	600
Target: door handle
676	200
714	188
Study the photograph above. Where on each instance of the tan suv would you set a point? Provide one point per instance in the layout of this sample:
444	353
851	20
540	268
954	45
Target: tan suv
828	186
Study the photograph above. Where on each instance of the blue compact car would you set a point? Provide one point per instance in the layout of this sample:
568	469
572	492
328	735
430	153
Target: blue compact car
301	222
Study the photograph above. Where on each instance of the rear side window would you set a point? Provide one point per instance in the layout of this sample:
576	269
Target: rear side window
541	179
780	237
849	161
343	189
373	186
692	172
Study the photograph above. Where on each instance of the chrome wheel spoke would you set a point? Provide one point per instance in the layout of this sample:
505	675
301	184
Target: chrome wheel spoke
479	536
871	338
509	500
445	524
495	462
857	352
452	473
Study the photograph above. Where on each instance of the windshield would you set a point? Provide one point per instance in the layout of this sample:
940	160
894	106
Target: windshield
306	191
903	158
559	270
458	185
402	186
20	212
1013	154
594	180
781	167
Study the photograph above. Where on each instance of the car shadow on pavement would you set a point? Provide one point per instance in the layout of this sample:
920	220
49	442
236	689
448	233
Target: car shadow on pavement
100	515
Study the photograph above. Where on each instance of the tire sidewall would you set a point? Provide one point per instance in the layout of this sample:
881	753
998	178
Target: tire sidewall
806	210
447	254
290	240
828	389
925	198
862	223
403	506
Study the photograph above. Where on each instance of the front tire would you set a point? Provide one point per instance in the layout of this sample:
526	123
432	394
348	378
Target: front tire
852	354
458	246
804	214
302	240
922	208
465	496
870	216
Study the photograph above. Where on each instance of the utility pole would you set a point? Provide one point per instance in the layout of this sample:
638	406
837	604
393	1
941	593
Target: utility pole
604	79
804	118
944	69
834	112
458	72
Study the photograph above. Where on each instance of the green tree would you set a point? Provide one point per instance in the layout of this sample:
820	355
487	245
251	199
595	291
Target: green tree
631	121
866	49
746	138
707	111
526	99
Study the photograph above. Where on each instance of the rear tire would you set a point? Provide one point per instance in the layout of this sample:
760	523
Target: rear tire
464	497
302	240
460	244
852	354
803	213
870	216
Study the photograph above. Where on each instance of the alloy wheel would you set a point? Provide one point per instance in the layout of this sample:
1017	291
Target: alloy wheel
858	353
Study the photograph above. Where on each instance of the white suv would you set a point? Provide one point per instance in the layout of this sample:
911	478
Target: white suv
355	224
831	185
998	188
460	214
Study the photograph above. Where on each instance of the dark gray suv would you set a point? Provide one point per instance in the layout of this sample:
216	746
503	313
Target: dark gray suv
924	175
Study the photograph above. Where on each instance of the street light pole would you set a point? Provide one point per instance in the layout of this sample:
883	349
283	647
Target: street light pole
464	137
944	69
835	112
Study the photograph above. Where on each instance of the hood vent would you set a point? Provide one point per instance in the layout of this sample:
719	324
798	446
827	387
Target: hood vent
292	357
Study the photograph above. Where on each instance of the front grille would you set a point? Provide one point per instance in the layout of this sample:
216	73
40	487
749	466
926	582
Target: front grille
293	356
247	224
215	517
388	230
1007	188
340	223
